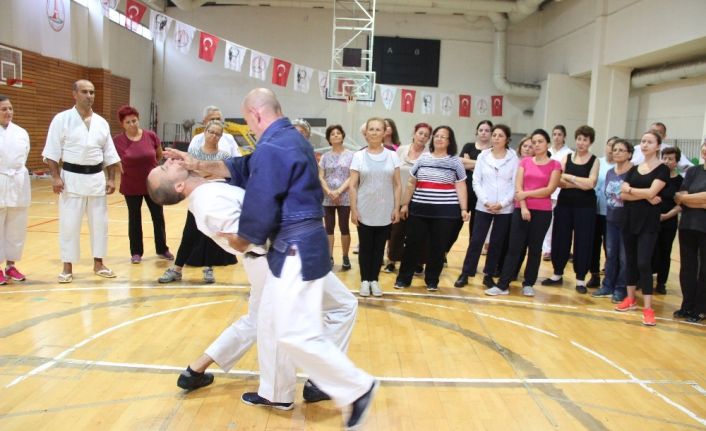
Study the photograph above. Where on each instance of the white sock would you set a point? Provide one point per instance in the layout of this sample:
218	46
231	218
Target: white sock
555	277
580	283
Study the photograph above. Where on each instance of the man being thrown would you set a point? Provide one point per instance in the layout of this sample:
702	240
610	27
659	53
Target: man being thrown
283	204
216	207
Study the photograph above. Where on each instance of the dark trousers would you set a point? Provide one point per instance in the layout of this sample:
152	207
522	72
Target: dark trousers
344	214
638	251
456	229
371	240
438	231
134	224
395	246
662	257
578	222
692	274
525	233
615	259
599	242
481	226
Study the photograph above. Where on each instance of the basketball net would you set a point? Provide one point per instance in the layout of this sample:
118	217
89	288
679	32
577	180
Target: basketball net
350	99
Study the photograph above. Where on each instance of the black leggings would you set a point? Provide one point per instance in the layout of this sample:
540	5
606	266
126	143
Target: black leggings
638	250
662	257
344	214
371	240
529	234
134	225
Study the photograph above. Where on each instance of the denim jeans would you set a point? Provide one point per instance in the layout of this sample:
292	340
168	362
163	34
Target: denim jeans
616	260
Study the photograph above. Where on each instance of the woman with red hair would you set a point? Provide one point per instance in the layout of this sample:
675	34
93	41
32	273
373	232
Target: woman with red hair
140	151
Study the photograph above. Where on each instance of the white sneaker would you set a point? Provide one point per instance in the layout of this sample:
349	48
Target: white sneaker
364	288
495	291
528	290
375	288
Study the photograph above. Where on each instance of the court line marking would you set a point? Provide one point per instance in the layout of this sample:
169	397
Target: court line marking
410	294
95	336
631	376
394	379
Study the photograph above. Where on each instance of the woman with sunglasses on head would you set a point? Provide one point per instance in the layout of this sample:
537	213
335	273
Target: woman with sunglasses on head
615	260
641	194
433	203
536	179
196	249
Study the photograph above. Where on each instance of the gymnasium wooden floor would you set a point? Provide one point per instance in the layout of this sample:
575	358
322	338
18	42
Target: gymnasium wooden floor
105	354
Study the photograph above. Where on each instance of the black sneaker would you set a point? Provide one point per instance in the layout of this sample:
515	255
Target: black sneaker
389	268
191	380
253	399
312	393
488	281
661	289
594	281
432	287
580	288
346	265
681	314
461	281
400	285
550	282
419	270
361	407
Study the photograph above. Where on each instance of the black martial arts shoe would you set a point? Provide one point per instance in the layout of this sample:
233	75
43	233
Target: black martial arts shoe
253	399
312	393
191	380
594	281
550	282
361	407
461	281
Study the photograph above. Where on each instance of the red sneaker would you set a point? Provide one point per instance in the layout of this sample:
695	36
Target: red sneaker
14	274
648	317
627	304
2	278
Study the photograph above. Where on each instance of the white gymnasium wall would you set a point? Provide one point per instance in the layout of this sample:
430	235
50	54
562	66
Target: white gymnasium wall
92	40
186	84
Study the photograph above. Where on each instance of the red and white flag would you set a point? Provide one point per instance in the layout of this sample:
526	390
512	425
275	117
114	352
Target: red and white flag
280	72
496	103
207	46
134	11
407	100
464	105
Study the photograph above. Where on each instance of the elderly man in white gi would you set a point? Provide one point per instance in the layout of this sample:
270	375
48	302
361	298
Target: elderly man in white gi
226	143
14	191
216	207
81	139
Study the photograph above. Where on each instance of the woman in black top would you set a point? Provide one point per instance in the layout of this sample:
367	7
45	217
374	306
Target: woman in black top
692	243
640	192
575	211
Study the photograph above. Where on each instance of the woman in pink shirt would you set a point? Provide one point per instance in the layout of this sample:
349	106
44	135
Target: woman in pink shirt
537	178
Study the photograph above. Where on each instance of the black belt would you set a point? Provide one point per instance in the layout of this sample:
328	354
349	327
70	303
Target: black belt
82	169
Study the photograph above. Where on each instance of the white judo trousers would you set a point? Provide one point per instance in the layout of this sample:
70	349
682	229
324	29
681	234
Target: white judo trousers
277	372
72	207
291	325
13	231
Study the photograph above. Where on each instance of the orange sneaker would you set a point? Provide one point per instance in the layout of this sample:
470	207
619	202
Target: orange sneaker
627	304
648	317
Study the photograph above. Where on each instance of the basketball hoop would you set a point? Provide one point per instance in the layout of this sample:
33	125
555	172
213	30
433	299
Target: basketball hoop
18	82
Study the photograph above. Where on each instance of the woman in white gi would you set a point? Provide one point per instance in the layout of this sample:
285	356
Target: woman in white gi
14	191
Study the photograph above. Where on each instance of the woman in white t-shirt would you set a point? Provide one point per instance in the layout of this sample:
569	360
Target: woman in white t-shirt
375	200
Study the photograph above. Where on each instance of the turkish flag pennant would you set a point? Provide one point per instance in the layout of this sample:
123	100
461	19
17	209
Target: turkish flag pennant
280	72
134	11
407	100
207	47
496	103
464	105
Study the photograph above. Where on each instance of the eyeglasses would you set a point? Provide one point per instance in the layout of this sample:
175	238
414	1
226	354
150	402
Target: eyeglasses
210	132
445	138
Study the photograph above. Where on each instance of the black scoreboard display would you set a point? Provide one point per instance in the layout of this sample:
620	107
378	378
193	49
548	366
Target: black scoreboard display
404	61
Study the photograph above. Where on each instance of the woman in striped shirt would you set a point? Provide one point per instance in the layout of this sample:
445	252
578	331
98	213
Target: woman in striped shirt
436	186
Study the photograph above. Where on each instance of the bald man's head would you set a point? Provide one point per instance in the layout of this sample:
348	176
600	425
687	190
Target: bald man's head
260	109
